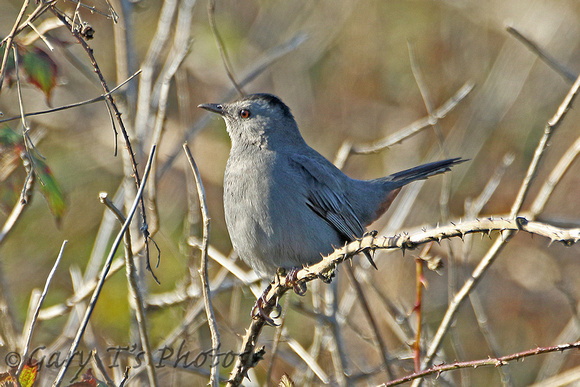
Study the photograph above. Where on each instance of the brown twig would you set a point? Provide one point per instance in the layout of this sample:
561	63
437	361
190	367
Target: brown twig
221	47
138	302
72	105
40	9
9	39
495	362
34	317
215	336
112	105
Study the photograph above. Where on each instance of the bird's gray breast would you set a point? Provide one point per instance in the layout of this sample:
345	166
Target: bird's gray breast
269	221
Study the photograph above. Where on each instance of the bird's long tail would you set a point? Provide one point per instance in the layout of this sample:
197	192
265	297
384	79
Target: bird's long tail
420	172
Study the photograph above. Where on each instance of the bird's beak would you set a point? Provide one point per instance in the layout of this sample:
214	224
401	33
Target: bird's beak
213	107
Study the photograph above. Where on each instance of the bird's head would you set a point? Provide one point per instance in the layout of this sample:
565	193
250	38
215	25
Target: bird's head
261	119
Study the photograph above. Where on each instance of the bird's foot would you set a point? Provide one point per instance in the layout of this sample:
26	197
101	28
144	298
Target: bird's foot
259	309
367	253
292	280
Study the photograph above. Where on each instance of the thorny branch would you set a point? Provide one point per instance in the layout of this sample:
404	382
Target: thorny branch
325	269
495	362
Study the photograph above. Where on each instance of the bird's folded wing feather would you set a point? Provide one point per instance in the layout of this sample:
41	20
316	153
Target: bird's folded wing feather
325	197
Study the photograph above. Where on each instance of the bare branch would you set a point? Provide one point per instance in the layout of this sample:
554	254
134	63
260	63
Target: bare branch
73	105
221	46
34	318
104	273
543	55
495	362
137	295
215	336
101	367
8	40
416	126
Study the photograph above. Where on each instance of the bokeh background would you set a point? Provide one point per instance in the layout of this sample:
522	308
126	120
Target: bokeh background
350	79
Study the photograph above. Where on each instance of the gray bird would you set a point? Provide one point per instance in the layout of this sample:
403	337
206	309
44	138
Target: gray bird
285	204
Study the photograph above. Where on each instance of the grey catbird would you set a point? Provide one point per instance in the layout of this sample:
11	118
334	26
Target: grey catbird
285	204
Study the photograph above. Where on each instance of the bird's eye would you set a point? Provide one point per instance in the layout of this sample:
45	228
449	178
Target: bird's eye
245	113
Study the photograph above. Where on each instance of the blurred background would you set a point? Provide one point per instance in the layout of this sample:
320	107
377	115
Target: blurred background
355	71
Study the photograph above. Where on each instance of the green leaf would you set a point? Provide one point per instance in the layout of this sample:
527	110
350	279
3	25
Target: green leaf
50	188
40	69
9	138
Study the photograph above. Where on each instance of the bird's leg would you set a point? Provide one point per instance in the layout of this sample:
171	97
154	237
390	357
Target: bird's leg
259	306
258	309
292	280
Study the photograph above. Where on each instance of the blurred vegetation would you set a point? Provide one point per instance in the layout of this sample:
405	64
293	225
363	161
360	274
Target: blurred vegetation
352	79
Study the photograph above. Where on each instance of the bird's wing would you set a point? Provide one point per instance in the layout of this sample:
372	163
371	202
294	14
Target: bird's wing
325	196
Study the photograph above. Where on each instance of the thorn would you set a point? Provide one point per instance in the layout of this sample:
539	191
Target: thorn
423	281
370	258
